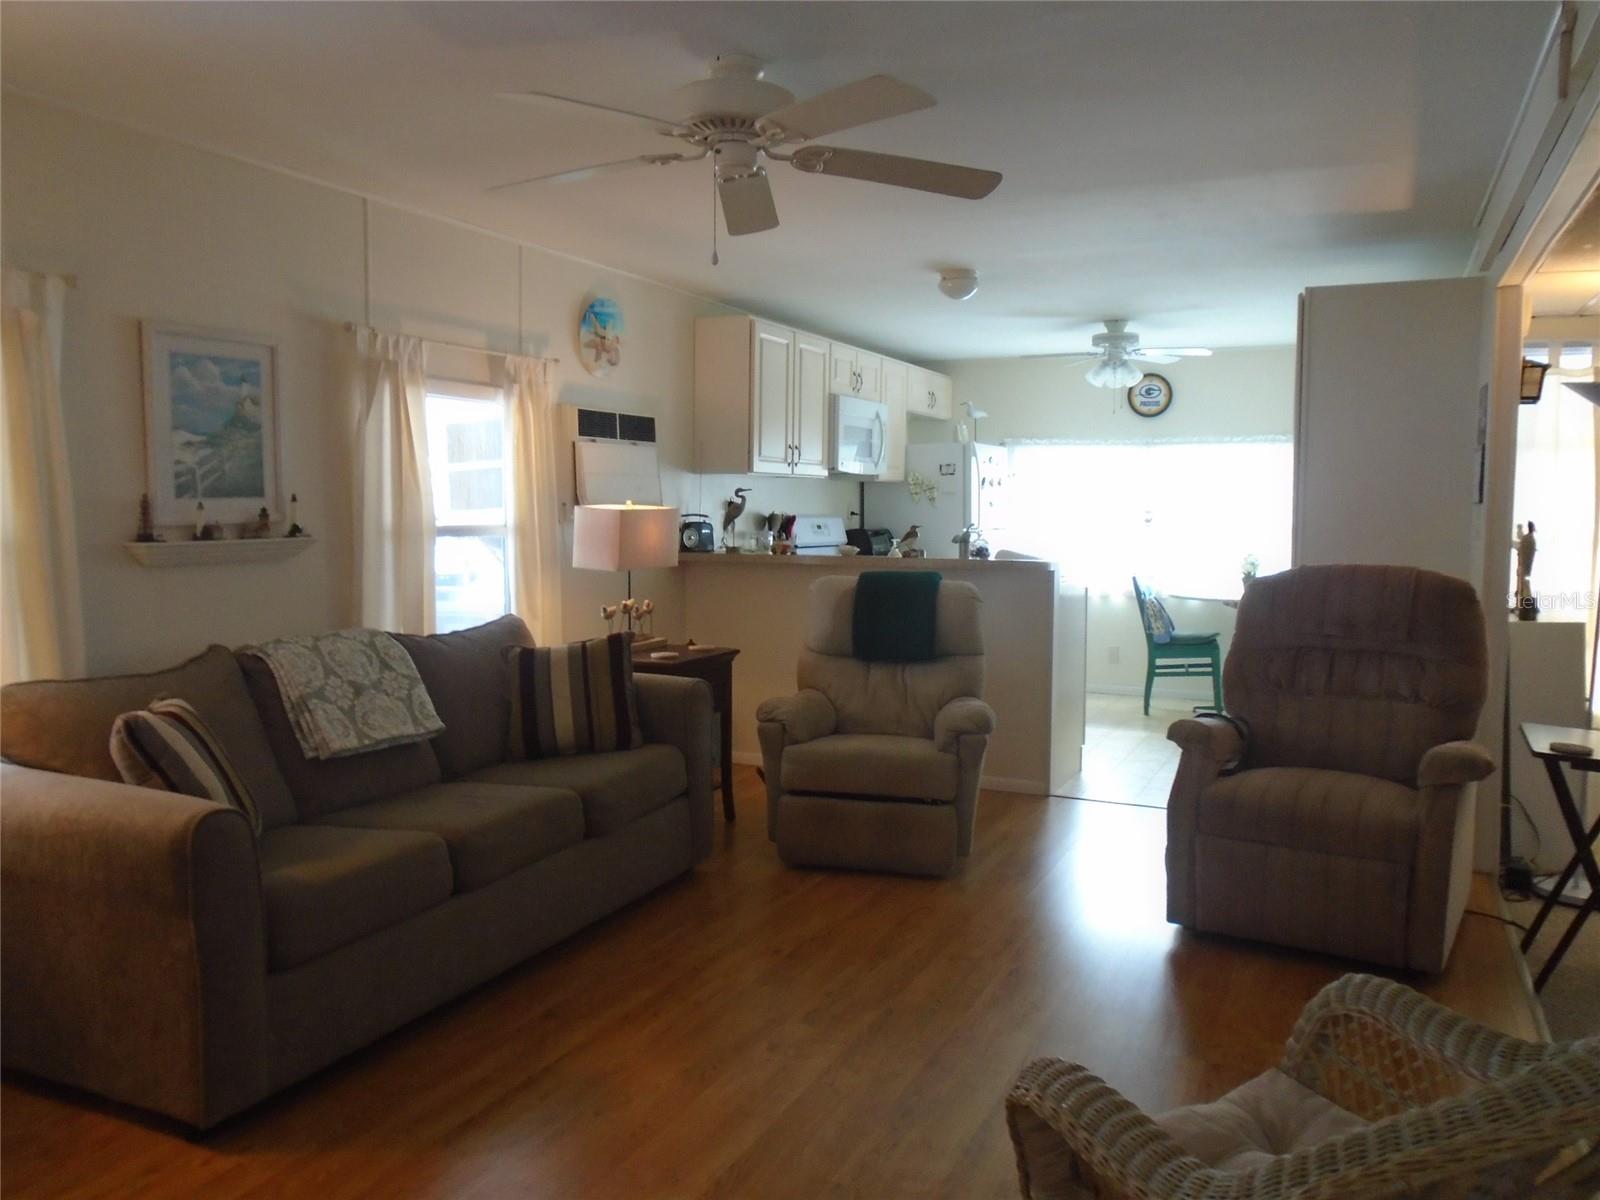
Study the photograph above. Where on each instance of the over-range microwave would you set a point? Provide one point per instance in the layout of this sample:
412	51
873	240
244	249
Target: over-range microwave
860	433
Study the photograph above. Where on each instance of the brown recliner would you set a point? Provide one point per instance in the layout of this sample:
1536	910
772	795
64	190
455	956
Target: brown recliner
1336	815
875	765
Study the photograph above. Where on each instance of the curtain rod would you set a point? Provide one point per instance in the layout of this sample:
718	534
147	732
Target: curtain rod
351	327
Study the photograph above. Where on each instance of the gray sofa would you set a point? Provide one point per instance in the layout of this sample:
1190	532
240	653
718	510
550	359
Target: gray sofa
155	951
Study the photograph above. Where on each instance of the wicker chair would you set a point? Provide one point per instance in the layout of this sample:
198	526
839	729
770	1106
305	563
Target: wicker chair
1448	1109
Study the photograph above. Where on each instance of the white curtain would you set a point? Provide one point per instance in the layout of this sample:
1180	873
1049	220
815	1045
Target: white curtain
1182	516
393	497
535	520
41	617
1558	489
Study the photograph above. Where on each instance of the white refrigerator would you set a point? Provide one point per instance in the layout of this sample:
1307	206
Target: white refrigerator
948	486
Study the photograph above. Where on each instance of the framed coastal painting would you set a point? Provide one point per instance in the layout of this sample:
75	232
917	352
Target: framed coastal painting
210	424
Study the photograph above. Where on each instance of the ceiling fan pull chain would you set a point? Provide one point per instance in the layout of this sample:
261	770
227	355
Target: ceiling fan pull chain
713	217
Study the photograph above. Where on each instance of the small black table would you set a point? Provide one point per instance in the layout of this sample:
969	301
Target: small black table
714	664
1539	738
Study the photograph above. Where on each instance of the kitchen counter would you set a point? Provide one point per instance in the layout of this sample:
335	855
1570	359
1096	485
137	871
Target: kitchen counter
875	561
1033	631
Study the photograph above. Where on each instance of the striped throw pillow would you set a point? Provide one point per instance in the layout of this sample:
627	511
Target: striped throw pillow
573	699
167	746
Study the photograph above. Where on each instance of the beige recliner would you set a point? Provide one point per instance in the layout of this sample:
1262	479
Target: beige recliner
1336	814
875	765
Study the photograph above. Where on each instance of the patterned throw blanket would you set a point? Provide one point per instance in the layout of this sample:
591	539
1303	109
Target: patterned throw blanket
350	692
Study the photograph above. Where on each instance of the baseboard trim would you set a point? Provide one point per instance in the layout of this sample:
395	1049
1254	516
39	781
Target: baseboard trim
993	783
1161	693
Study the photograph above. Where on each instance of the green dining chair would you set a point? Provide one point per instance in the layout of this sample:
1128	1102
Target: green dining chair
1170	653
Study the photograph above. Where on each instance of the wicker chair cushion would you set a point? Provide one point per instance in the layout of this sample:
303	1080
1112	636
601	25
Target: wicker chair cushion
1271	1115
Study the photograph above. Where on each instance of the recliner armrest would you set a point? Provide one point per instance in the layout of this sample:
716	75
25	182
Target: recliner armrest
1211	737
805	716
961	716
1453	764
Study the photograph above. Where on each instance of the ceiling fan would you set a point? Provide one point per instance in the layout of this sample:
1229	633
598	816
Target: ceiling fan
735	117
1117	350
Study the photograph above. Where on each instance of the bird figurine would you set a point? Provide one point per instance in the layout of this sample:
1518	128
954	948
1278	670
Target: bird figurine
732	510
907	545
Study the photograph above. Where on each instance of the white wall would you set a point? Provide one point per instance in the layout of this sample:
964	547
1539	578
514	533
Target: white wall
1234	393
157	230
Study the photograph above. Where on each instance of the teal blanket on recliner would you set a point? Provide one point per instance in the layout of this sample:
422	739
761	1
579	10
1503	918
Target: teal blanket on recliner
895	616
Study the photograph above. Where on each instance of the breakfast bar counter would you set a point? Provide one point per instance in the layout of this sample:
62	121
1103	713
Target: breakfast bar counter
1033	629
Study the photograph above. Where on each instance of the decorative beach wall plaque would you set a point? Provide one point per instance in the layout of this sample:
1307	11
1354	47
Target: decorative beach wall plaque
211	423
600	336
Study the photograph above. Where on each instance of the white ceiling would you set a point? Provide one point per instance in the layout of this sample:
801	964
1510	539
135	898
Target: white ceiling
1567	283
1190	166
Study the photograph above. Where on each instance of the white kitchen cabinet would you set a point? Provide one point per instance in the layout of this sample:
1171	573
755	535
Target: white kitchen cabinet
931	394
809	405
772	365
854	372
760	398
896	379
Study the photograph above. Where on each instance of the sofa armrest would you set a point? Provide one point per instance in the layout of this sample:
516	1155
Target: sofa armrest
1212	737
1210	746
1453	764
677	711
786	721
962	716
133	949
805	716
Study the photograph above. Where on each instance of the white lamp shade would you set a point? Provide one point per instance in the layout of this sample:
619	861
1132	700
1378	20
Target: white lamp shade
624	537
1114	374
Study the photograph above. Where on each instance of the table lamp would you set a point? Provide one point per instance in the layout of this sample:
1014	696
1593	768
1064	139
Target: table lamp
622	537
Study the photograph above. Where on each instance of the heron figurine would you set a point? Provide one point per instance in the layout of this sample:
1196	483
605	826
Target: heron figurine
732	510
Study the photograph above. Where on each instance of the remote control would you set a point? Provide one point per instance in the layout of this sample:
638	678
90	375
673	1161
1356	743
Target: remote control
1571	749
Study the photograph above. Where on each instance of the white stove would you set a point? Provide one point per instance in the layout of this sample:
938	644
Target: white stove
818	535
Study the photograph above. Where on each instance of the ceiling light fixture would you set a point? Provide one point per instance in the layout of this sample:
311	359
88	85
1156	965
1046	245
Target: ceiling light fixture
959	283
1113	373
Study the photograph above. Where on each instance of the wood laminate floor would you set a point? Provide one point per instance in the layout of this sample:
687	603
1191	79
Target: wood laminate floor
755	1031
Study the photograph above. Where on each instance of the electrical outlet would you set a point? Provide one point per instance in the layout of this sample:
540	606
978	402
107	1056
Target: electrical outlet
1113	654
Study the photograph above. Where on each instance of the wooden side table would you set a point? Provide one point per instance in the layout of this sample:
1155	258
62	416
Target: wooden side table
1539	738
714	664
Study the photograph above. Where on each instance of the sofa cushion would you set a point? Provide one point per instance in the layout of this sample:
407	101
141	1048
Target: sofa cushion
65	725
170	748
871	764
617	788
465	674
573	699
1302	808
1269	1116
325	887
490	829
322	786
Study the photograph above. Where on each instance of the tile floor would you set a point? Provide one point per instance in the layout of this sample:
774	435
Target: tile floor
1126	756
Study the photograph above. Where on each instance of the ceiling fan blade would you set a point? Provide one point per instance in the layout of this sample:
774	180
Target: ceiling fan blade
1172	352
875	98
1079	356
1152	356
747	205
661	124
578	174
945	179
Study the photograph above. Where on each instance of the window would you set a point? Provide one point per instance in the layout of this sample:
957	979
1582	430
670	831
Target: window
471	480
1556	484
1182	516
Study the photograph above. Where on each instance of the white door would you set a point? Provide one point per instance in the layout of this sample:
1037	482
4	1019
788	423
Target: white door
894	380
810	405
772	350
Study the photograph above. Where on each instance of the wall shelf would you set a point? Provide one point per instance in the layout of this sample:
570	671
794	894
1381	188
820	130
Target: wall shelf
218	553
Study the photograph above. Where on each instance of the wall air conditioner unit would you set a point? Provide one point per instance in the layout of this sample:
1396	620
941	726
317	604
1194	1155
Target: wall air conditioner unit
613	457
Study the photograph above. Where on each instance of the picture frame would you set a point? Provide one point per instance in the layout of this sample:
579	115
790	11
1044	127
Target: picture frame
600	332
210	424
